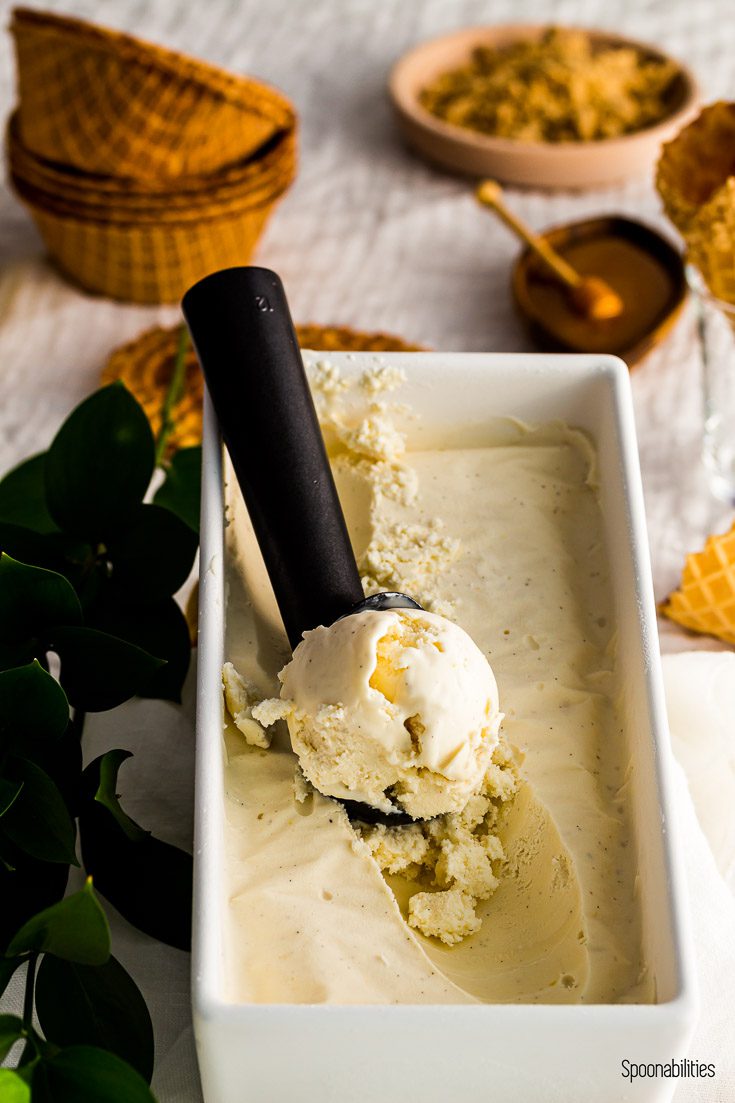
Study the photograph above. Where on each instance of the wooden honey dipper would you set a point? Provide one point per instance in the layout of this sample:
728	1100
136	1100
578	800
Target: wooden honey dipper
589	295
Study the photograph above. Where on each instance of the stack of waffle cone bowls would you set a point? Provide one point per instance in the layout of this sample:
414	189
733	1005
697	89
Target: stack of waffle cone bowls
143	169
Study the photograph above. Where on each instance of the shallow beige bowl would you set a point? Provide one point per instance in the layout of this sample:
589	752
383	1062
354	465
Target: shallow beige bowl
536	164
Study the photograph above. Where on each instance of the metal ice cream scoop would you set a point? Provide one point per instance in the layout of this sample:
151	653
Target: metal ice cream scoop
241	327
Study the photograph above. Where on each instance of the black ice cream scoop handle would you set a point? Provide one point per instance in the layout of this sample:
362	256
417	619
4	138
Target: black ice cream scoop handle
245	341
242	331
241	327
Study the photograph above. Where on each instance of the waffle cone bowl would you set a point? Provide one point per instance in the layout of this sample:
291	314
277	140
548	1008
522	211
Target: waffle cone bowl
69	185
91	98
178	211
148	263
705	599
711	242
696	180
146	366
76	189
696	163
260	180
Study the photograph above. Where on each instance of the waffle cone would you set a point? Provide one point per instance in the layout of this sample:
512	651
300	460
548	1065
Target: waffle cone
146	365
705	600
696	163
711	242
152	263
260	180
178	212
344	339
80	190
93	99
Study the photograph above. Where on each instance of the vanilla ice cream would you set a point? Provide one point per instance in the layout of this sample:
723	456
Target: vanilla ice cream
394	708
529	894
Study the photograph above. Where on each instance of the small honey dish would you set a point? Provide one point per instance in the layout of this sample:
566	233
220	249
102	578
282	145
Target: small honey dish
645	270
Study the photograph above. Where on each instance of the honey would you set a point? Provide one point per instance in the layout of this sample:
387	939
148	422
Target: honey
641	266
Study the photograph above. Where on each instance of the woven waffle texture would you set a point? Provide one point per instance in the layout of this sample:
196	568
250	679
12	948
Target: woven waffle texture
92	98
261	180
697	162
711	242
705	600
143	169
146	365
69	185
148	263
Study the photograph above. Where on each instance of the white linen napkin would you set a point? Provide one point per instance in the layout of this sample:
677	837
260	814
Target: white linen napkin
700	696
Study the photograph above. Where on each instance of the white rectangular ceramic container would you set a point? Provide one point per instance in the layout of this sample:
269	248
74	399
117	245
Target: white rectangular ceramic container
424	1054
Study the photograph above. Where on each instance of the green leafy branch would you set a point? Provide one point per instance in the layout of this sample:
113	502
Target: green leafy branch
88	570
174	394
86	1002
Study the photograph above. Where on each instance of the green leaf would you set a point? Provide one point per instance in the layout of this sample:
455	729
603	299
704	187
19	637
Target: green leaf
8	965
9	792
150	883
85	1074
109	765
160	628
62	761
182	488
33	708
99	671
99	465
31	598
38	821
25	889
53	550
75	929
97	1005
153	555
23	496
11	1030
24	544
147	880
13	1088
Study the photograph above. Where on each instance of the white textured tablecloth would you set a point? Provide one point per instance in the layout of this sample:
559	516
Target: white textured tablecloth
367	237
